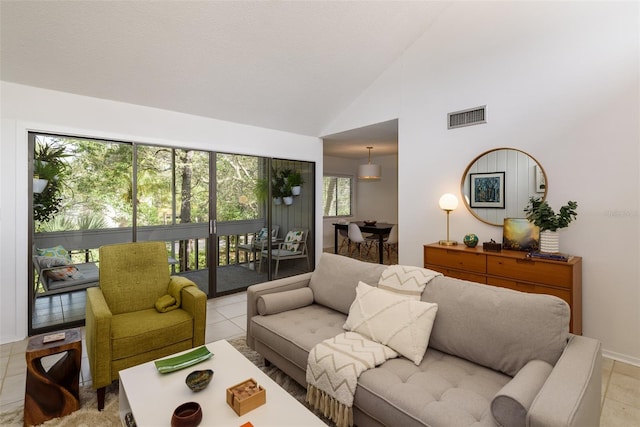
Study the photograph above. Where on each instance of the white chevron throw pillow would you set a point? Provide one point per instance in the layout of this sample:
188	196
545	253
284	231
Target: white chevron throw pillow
401	323
406	280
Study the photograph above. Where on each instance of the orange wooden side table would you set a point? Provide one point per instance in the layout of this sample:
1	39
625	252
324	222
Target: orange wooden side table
52	393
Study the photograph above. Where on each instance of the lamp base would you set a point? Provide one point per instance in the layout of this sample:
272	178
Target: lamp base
448	242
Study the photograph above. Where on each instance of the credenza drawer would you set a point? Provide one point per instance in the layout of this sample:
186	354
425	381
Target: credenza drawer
530	288
529	270
455	259
458	274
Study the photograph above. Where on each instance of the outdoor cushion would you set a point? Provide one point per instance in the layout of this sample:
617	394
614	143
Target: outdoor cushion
292	240
56	251
64	273
51	261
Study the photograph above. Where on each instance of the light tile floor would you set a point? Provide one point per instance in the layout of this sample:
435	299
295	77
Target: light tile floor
226	318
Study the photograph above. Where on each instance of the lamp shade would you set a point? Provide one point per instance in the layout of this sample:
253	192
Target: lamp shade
369	171
448	202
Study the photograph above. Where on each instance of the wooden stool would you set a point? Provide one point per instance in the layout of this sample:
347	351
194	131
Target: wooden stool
53	393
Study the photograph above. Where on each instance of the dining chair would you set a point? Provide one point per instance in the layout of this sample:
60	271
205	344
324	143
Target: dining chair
391	242
356	237
344	235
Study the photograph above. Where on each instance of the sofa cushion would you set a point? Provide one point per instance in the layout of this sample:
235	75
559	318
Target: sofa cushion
294	333
284	301
511	404
443	390
406	280
399	322
336	277
522	326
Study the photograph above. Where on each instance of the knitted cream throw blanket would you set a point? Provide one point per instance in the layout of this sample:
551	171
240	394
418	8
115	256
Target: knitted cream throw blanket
333	368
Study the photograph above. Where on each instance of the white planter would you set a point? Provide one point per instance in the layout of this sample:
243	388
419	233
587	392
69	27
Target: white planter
549	242
277	200
39	185
288	200
296	190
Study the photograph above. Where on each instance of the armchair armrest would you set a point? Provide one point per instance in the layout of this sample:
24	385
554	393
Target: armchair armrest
571	395
98	337
279	285
194	302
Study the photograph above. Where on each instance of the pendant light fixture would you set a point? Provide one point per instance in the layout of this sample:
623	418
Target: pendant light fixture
369	172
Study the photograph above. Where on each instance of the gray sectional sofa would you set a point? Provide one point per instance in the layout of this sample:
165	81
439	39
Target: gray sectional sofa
495	356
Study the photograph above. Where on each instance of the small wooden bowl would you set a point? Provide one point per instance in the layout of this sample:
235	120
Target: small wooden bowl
370	222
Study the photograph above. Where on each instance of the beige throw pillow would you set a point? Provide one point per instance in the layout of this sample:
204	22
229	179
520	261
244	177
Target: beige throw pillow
396	321
406	280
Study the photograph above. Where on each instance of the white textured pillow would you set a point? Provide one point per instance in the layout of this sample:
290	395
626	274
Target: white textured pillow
396	321
406	280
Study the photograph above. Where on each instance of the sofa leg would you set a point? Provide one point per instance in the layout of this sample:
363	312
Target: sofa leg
101	391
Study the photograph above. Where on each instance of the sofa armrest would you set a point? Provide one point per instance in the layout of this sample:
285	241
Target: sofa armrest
571	396
279	285
98	337
194	302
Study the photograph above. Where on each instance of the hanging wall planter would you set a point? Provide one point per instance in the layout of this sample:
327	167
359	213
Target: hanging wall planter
288	200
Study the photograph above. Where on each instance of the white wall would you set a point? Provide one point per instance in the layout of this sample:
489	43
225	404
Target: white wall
27	108
373	199
561	82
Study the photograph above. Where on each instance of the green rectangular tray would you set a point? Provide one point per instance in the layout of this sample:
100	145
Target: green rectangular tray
176	363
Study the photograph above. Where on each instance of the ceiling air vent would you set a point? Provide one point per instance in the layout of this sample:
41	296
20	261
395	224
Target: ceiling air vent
472	116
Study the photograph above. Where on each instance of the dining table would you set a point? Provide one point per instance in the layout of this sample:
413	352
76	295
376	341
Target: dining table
380	229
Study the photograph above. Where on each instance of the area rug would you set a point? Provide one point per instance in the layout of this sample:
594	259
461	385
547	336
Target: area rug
89	416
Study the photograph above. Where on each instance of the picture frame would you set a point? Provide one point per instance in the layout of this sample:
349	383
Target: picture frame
487	190
518	234
541	185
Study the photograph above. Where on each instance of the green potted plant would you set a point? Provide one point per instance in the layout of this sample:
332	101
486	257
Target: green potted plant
296	181
540	214
49	166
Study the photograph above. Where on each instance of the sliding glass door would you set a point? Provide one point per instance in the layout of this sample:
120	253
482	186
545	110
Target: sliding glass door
228	220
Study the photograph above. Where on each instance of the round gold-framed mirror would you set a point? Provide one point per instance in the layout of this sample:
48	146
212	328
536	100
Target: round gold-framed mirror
498	183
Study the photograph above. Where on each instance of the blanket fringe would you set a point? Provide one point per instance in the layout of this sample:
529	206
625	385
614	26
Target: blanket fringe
331	408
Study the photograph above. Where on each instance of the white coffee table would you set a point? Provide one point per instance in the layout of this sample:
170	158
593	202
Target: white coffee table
152	396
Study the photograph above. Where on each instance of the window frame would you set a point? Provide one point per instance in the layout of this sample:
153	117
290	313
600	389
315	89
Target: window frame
352	187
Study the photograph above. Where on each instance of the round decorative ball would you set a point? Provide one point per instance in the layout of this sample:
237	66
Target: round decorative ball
471	240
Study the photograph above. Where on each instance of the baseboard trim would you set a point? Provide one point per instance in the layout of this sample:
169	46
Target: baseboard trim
621	357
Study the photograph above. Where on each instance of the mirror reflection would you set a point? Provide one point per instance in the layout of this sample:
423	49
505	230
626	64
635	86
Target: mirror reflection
498	184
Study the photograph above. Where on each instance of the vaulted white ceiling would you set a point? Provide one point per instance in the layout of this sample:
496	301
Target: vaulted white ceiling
287	65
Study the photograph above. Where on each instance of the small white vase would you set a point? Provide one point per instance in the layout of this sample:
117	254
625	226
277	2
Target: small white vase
549	241
287	200
295	190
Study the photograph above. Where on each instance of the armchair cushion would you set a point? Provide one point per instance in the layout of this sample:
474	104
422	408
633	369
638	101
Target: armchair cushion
155	330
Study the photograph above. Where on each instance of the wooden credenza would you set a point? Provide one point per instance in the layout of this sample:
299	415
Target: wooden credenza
513	270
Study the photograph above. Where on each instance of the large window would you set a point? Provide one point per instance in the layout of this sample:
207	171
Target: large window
336	195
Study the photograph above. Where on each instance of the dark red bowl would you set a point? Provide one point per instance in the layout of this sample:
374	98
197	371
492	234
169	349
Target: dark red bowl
187	415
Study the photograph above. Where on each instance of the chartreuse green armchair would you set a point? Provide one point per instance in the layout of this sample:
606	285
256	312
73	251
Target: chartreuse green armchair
139	312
